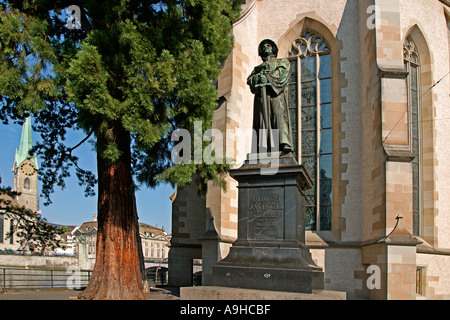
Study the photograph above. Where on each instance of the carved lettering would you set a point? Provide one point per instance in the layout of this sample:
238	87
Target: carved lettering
266	215
266	206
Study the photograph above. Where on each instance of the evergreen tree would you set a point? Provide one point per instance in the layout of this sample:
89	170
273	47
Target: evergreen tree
129	77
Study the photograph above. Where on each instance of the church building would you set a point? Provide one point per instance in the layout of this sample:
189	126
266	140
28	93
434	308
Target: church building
25	170
25	183
369	109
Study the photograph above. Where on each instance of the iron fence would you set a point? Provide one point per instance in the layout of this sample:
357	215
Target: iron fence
34	278
29	278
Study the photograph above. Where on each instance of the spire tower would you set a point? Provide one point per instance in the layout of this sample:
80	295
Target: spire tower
25	170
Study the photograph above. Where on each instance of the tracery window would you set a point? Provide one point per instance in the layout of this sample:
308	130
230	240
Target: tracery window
310	100
412	65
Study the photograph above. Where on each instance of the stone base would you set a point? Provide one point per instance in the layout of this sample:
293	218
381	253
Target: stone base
224	293
274	267
270	252
289	280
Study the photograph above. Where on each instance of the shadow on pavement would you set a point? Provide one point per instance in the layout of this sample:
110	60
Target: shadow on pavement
156	293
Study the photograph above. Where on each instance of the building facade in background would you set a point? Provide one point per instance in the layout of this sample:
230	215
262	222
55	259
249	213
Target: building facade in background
8	237
154	242
368	103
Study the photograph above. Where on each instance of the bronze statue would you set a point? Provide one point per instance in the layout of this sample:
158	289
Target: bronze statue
269	83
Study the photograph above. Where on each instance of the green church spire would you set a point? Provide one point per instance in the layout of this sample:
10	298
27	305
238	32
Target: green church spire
26	143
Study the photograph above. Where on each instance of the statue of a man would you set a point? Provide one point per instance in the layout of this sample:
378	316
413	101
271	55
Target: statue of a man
269	83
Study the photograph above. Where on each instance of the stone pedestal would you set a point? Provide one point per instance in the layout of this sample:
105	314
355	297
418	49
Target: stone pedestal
270	252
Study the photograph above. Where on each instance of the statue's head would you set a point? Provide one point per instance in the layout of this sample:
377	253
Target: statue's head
262	46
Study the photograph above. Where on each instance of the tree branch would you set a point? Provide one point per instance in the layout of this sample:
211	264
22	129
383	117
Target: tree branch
81	142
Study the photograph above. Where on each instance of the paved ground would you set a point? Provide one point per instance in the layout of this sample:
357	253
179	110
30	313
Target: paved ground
158	293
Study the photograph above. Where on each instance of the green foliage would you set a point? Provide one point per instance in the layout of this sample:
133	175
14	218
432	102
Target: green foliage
63	229
24	61
148	66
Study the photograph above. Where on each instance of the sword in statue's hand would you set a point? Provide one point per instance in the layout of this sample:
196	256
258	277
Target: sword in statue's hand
265	108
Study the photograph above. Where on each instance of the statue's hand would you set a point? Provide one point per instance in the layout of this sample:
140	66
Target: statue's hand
263	80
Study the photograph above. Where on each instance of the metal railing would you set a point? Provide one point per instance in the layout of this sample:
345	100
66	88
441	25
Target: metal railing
24	278
34	278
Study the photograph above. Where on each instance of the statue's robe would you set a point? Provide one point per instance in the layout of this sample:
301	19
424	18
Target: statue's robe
277	104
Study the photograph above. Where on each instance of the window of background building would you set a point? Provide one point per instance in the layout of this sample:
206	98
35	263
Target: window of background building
2	220
26	184
420	280
11	232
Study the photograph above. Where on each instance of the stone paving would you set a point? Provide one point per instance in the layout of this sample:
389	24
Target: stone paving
158	293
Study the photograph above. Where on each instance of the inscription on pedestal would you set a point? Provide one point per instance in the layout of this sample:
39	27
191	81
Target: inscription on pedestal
266	214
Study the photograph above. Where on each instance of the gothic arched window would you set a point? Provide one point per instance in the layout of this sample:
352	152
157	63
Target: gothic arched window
310	100
412	65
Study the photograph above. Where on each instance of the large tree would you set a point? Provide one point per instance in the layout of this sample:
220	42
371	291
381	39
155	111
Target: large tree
132	74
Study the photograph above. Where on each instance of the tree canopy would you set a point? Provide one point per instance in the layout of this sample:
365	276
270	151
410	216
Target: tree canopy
148	65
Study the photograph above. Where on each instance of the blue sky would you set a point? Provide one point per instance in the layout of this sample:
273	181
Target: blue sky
70	206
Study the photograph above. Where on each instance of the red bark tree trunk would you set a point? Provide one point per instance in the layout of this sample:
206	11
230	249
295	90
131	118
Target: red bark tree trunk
118	272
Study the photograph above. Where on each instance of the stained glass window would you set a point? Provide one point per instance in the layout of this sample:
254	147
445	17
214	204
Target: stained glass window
411	61
310	84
